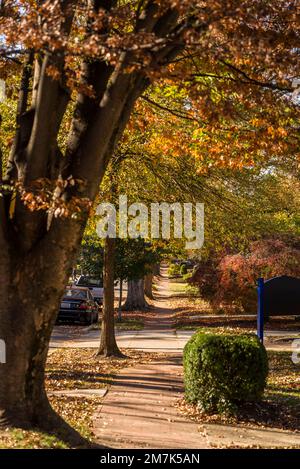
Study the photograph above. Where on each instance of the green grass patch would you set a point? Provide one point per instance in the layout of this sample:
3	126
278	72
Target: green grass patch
130	325
125	324
182	289
25	439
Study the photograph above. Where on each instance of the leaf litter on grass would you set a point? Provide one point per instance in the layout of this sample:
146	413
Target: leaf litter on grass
69	368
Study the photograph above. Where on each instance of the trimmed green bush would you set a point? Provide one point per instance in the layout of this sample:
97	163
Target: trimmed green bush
183	269
222	371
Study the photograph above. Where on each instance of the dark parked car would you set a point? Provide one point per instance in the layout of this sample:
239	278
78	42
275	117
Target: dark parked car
176	261
190	263
95	286
78	305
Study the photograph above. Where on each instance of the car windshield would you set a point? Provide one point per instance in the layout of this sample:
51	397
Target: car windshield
75	293
90	282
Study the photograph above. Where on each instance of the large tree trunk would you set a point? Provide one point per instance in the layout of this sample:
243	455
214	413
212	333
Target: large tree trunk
135	296
31	286
23	399
108	345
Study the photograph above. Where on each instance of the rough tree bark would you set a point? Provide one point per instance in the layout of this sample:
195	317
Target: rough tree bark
108	345
135	296
38	250
28	310
148	283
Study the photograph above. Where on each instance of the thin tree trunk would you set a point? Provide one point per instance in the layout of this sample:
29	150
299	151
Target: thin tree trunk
148	285
156	269
108	345
120	300
135	296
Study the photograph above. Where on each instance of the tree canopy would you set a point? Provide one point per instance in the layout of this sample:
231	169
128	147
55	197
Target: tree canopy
76	71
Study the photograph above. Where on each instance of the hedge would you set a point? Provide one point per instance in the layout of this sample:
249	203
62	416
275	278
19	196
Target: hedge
183	269
223	371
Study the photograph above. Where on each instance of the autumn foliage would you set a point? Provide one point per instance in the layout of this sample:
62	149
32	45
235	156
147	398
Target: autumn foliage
229	282
76	73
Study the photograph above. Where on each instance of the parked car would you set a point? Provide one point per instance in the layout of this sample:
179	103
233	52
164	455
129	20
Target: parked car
190	263
95	286
78	305
175	261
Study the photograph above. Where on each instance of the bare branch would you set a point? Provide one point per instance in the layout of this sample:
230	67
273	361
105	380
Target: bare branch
253	81
174	112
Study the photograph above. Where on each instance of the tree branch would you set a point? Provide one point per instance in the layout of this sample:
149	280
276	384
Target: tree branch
51	94
15	156
253	81
174	112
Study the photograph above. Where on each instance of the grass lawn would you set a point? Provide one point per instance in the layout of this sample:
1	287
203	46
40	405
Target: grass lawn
130	325
189	312
180	288
127	324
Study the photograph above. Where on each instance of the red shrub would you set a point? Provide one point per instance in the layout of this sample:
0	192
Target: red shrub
230	281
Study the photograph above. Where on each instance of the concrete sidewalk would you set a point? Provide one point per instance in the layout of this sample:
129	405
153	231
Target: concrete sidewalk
154	338
148	340
139	410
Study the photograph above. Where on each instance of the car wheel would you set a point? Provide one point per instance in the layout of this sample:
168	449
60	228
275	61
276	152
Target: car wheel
85	319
